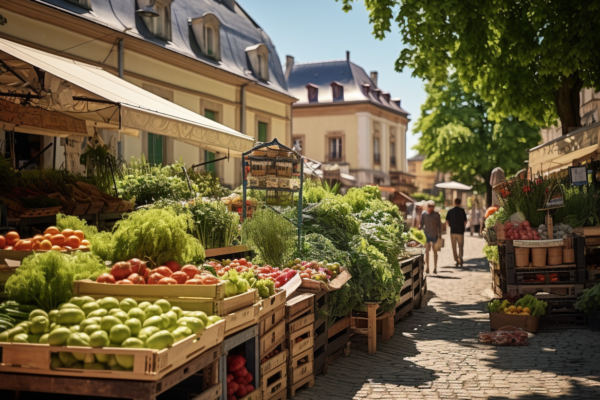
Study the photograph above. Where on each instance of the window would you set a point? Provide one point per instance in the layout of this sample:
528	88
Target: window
155	149
263	128
337	91
298	143
159	26
258	58
209	155
393	147
313	93
376	154
82	3
335	149
206	30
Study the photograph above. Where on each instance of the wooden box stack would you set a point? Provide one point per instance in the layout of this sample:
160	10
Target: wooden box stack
245	341
300	341
273	368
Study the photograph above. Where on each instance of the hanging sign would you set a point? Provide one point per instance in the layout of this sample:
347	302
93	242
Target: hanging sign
578	175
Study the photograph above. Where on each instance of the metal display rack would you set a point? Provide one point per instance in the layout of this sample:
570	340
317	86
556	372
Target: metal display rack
297	168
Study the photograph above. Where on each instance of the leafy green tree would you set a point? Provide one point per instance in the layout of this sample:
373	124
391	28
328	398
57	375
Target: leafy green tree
528	59
457	136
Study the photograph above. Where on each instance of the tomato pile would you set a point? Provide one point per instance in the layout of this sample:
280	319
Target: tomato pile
239	379
135	272
522	231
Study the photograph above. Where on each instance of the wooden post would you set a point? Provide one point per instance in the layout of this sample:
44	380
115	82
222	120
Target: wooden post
387	327
372	326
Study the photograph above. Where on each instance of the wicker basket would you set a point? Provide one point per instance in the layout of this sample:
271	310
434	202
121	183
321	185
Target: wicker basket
555	255
538	256
522	256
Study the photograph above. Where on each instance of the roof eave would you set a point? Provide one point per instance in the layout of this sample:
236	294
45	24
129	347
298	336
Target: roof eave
341	103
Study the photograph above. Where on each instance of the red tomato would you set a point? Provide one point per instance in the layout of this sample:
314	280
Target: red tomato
121	270
193	282
124	282
167	281
137	266
180	277
2	242
190	270
164	271
221	272
174	266
239	269
106	278
210	280
243	261
136	279
154	278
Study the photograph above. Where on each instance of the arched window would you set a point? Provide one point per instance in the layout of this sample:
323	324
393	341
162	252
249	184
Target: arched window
207	32
258	58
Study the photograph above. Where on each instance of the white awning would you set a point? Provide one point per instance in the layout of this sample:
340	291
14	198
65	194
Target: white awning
127	107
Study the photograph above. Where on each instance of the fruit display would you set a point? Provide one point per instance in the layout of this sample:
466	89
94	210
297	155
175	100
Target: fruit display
316	270
107	323
528	306
239	379
136	272
52	239
520	231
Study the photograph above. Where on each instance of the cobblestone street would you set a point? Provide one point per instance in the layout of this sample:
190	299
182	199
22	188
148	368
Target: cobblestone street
434	354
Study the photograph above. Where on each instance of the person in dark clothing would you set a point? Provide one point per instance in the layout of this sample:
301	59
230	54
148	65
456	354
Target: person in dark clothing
457	220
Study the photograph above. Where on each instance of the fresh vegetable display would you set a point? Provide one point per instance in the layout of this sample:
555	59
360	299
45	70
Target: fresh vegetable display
589	300
239	379
520	231
316	270
107	323
528	305
559	231
13	313
52	239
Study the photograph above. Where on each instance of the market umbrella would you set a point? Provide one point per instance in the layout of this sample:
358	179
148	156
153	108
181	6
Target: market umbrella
454	186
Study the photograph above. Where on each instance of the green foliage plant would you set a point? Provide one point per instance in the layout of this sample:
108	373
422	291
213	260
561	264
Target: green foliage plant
589	300
527	197
273	236
215	225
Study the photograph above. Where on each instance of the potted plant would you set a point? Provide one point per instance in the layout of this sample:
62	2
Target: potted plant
589	303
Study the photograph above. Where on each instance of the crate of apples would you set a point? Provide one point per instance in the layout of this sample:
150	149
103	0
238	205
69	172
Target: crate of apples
136	272
316	270
52	239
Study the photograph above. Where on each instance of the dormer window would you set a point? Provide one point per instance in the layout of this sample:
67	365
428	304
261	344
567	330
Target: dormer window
258	58
313	93
386	96
87	4
207	32
377	93
159	25
337	91
366	88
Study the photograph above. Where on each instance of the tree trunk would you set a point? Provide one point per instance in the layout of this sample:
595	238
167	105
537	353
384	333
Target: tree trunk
567	103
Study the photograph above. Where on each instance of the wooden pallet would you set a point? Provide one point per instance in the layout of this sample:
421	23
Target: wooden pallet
403	310
307	334
307	383
298	306
300	367
148	364
101	387
274	381
271	339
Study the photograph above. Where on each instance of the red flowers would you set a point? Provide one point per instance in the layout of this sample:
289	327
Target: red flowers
526	189
505	193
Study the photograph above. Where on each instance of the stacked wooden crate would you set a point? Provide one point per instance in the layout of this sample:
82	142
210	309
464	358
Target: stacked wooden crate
245	344
300	341
273	355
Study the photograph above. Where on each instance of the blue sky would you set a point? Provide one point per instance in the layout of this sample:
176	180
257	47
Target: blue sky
315	30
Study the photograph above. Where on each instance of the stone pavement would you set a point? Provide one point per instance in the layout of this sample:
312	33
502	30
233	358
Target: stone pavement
434	354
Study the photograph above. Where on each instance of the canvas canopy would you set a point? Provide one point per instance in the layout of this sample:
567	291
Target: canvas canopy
47	94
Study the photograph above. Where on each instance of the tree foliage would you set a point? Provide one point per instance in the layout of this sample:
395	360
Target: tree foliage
458	136
528	59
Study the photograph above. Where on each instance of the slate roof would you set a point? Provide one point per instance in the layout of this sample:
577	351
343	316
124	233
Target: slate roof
418	157
351	76
238	31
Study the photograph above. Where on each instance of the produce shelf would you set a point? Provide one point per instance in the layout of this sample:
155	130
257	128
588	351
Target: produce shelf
247	342
277	189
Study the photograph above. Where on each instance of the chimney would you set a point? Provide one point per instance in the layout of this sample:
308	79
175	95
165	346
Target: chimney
397	102
348	56
374	77
289	64
229	4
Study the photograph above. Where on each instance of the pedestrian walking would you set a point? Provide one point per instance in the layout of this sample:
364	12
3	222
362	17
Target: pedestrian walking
431	224
457	221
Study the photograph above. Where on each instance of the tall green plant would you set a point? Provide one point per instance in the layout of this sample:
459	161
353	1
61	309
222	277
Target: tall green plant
215	225
272	235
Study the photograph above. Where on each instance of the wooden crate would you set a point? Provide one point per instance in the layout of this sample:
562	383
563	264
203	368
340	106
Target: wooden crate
223	251
403	309
212	393
299	305
282	395
543	292
248	339
40	212
273	381
272	303
208	298
301	366
310	285
254	395
273	362
308	340
307	383
305	320
271	339
148	364
267	322
241	319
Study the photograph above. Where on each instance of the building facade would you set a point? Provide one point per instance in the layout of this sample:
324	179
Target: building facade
208	56
343	118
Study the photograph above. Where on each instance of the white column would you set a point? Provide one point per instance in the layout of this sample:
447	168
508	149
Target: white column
384	147
365	140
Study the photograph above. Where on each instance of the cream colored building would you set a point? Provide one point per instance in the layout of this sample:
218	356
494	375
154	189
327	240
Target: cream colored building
343	117
424	180
589	111
208	56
